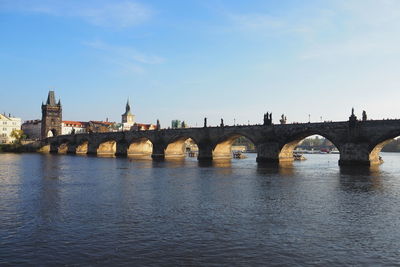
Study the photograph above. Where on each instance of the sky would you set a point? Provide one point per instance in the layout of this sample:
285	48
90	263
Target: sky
192	59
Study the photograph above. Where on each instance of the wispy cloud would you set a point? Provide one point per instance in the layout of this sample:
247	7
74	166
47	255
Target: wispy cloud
369	28
107	13
332	30
128	59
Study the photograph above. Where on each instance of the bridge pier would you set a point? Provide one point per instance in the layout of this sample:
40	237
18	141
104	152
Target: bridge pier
268	152
356	154
158	152
122	149
71	149
53	148
205	153
92	148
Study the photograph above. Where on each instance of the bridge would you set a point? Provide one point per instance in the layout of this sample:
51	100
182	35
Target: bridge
359	142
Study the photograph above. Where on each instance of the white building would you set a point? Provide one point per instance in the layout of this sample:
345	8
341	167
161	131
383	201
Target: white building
32	128
7	125
68	127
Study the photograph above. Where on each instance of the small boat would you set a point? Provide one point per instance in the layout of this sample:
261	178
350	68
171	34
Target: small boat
238	155
297	156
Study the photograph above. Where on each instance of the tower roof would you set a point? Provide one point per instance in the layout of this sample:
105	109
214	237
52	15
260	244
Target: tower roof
51	99
127	109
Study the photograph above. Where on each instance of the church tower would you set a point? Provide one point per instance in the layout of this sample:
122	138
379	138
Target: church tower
51	117
128	119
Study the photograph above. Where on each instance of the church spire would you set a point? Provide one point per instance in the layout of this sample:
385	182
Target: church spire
128	107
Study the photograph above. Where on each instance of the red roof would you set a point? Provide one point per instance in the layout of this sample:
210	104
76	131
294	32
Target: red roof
76	123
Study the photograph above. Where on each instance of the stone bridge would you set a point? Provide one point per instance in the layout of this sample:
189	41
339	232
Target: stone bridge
359	142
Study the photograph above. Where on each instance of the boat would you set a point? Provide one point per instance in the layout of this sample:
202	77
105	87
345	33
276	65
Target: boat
238	155
298	156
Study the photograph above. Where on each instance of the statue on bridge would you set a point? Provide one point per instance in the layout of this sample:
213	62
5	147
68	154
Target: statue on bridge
283	119
158	124
222	123
205	122
364	115
352	119
268	118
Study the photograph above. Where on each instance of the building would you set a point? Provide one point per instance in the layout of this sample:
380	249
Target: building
101	127
8	124
53	125
51	117
143	127
32	129
128	119
69	127
175	124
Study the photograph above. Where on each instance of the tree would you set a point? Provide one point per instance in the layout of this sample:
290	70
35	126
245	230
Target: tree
18	135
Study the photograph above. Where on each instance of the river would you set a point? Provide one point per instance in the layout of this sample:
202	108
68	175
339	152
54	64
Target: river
78	210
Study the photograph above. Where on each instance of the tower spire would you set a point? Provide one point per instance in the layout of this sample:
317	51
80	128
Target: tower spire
128	106
51	99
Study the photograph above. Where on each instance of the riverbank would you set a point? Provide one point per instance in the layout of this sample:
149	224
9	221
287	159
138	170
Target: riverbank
17	148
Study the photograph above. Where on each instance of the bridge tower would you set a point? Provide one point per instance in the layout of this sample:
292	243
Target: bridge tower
51	117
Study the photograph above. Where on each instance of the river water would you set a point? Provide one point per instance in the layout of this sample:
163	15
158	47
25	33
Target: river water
77	210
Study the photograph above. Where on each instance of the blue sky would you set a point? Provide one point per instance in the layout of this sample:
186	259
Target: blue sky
201	58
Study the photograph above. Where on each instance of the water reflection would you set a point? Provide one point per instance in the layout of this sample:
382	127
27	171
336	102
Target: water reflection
361	179
361	170
217	163
283	168
185	212
49	187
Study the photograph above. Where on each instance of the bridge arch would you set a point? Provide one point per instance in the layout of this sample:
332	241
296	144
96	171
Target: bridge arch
223	147
179	146
376	147
140	148
64	146
82	147
106	147
52	133
287	148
